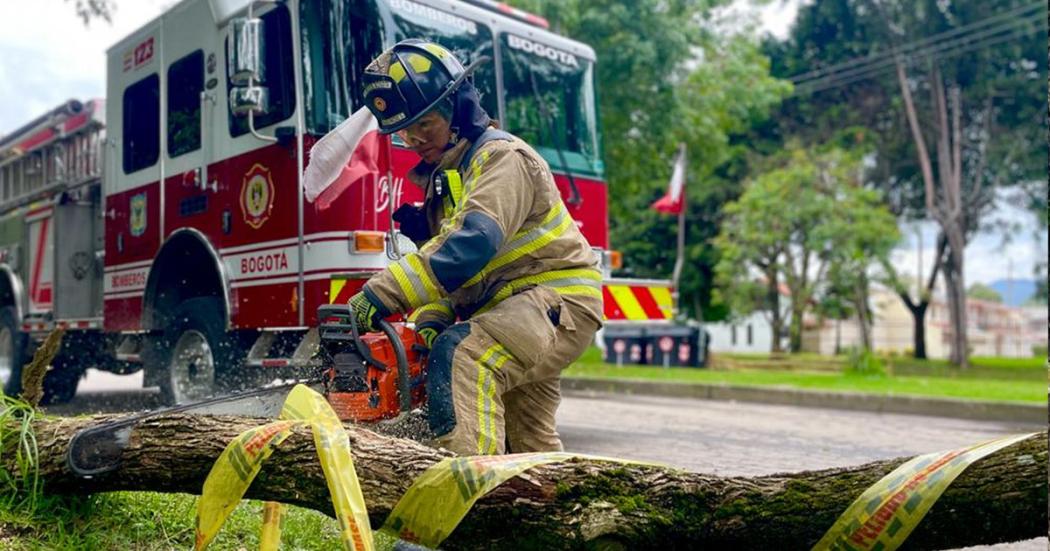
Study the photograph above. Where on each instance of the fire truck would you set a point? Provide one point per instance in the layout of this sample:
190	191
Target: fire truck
165	229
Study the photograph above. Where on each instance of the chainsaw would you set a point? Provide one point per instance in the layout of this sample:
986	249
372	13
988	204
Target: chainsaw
375	378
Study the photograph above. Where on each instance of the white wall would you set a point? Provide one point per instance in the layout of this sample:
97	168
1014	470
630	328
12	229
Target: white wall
722	335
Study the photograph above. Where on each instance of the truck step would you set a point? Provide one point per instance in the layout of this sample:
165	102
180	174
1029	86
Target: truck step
283	349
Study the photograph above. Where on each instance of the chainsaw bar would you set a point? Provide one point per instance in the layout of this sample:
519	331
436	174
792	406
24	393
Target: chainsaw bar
97	450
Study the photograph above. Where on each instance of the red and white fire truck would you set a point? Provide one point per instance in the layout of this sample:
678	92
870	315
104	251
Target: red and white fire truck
166	228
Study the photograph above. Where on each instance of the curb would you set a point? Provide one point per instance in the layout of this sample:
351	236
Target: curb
855	401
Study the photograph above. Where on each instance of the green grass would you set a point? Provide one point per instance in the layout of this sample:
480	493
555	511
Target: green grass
147	521
31	520
1032	391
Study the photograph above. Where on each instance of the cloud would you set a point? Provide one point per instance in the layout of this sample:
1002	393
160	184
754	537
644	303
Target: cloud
47	55
991	254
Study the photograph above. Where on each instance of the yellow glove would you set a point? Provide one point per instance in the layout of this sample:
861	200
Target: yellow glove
365	313
428	335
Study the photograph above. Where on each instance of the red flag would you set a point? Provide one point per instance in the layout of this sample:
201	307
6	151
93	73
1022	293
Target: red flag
345	155
674	200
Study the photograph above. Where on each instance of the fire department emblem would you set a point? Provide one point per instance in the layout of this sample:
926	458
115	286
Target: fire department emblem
137	219
380	104
257	196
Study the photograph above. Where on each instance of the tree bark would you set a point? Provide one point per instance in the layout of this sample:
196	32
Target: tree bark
776	322
579	504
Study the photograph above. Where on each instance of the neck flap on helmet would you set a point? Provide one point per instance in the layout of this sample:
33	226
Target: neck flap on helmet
469	119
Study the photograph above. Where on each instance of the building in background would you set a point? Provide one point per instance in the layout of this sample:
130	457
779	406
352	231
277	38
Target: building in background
994	329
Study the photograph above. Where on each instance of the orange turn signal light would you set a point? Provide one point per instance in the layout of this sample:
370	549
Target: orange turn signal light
615	260
368	242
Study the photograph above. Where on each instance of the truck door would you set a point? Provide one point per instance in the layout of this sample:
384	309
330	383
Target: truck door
190	53
133	172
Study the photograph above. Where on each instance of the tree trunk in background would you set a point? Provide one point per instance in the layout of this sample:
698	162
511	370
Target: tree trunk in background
795	330
860	304
918	312
918	309
956	291
773	300
578	504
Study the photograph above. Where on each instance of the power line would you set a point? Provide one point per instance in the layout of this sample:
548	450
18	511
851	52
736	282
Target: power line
942	51
906	48
940	46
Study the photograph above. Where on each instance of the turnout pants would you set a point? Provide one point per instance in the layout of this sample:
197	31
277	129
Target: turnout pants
494	381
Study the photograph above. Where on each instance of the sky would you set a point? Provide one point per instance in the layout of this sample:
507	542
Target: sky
47	56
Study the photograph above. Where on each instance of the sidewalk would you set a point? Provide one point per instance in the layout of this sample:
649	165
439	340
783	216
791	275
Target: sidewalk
917	405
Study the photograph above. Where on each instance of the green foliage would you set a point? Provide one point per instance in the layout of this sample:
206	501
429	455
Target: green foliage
981	291
865	363
1006	80
666	76
806	223
21	488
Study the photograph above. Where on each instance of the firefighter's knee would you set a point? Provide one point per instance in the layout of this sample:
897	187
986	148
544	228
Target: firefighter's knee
441	414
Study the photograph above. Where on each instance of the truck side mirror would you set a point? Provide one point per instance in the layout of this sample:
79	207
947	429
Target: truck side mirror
249	99
245	52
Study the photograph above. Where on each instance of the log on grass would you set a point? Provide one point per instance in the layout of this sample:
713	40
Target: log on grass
580	504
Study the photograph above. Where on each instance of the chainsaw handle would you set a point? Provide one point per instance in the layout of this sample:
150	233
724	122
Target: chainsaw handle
404	385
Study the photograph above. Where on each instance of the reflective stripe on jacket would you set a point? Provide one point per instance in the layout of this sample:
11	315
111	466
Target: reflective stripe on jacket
499	228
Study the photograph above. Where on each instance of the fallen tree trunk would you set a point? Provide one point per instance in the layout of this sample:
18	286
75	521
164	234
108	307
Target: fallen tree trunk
1002	497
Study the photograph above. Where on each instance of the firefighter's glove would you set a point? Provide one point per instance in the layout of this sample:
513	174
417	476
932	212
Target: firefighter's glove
365	313
413	222
428	334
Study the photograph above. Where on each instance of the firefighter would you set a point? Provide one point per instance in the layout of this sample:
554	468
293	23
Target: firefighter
498	252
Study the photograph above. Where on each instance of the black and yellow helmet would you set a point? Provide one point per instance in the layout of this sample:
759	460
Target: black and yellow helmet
410	79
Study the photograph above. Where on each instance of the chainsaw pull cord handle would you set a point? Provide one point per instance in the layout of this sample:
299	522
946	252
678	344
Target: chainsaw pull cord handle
404	385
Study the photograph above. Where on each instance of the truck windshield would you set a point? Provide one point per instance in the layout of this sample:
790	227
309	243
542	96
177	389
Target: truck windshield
338	41
340	38
550	103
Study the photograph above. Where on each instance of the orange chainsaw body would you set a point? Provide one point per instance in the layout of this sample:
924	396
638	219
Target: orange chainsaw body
378	398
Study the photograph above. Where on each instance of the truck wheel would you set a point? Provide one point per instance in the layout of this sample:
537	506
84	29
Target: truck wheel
193	352
12	351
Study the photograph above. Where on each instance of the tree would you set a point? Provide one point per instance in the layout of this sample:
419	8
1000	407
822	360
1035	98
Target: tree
917	306
666	74
980	291
796	225
974	105
867	233
95	9
579	504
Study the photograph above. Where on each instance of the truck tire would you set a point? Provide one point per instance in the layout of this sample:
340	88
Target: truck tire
193	352
12	351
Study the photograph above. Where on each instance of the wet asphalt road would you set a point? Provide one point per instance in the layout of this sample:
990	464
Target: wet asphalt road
724	438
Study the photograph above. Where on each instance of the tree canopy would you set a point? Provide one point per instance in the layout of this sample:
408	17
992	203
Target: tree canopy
808	225
668	74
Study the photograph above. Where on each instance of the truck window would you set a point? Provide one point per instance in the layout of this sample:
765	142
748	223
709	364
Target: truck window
466	38
141	124
185	84
550	99
279	73
339	40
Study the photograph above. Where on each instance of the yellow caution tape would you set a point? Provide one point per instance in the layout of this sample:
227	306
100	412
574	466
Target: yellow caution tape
887	512
273	517
439	499
231	475
239	463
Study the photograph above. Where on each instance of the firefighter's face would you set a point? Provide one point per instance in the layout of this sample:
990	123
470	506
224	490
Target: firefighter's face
428	136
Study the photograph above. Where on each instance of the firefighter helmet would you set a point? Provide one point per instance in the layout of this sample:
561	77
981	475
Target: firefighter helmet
410	79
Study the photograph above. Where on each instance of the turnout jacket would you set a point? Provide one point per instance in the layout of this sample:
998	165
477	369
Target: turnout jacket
499	226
